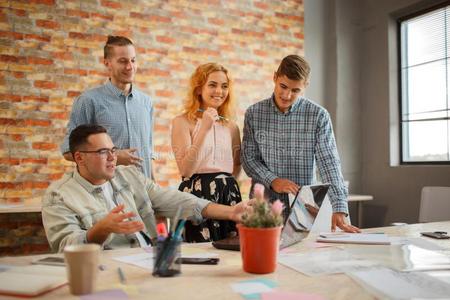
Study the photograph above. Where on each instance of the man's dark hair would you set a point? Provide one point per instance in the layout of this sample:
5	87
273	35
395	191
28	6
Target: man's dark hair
115	40
294	67
78	137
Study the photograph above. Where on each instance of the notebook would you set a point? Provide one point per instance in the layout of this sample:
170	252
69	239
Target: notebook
354	238
308	210
31	281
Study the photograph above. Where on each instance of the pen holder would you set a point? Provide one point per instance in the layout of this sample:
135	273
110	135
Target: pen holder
166	257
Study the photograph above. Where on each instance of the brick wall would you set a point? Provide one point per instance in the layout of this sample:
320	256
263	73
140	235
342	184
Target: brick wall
51	50
22	233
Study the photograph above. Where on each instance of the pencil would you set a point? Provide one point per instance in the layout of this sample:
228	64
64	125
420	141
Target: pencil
122	278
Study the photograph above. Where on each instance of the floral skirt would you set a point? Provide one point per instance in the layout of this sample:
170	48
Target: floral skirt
220	188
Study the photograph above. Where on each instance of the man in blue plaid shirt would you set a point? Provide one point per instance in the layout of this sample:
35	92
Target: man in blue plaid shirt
120	107
286	135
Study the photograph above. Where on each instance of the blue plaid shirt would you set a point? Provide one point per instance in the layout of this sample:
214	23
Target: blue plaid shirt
127	118
288	145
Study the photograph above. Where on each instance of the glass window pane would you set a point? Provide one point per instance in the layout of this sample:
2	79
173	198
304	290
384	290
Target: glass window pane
425	38
427	140
426	88
447	22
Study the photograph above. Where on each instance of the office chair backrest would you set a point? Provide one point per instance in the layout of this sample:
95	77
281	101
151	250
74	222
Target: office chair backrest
434	204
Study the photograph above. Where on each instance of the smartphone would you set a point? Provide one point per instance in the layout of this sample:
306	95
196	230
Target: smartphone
198	260
436	235
50	260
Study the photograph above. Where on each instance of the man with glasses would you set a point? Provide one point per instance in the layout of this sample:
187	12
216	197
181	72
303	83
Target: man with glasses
111	205
119	106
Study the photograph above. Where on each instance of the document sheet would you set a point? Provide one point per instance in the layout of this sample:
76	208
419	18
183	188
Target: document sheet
386	283
324	261
145	260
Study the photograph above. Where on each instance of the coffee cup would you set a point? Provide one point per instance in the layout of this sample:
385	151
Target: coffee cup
82	266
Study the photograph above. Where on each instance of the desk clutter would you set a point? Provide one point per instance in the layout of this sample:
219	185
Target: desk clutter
410	266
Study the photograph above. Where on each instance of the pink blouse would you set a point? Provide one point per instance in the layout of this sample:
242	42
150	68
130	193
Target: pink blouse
215	155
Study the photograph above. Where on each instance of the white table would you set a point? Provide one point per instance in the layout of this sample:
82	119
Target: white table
213	282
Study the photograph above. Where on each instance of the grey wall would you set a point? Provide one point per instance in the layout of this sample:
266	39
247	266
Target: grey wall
317	40
359	82
332	43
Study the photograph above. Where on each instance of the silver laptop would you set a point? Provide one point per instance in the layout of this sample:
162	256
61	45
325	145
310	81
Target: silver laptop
307	214
310	211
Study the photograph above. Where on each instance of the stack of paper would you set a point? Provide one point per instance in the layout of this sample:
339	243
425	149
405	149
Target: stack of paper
31	281
354	238
386	283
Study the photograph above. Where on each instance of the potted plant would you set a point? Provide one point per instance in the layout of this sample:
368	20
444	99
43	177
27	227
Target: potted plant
259	234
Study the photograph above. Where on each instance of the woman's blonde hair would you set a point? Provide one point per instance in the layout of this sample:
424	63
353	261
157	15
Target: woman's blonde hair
197	81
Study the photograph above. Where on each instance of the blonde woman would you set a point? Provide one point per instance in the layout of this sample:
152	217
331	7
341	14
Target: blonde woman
206	144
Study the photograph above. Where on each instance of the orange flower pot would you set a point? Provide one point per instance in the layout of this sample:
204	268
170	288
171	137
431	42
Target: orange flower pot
259	248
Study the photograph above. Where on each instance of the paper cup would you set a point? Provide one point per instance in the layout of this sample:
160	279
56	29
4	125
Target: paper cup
82	267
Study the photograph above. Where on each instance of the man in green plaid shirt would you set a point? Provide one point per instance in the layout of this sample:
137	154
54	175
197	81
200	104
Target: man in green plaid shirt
286	135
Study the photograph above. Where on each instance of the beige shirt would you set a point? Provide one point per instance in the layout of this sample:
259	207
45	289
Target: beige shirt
216	153
72	205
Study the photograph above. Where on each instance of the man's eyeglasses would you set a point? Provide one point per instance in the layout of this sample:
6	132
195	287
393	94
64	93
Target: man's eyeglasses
103	151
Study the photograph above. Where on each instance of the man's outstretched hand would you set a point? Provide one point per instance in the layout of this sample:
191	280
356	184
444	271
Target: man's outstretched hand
115	222
338	220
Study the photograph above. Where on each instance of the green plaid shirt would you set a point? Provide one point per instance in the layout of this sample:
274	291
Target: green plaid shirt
288	145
